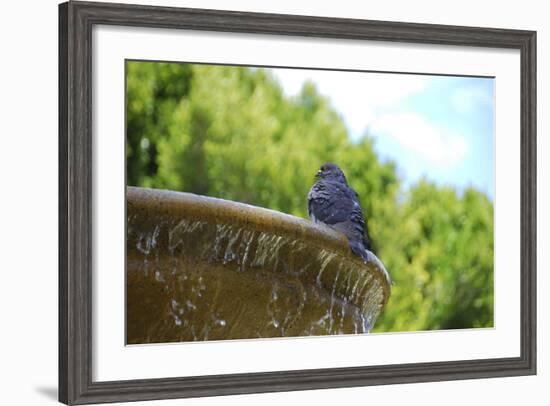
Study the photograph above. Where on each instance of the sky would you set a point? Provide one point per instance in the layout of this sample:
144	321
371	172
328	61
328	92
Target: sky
438	127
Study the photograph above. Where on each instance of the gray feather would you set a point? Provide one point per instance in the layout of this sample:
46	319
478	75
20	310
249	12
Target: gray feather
333	202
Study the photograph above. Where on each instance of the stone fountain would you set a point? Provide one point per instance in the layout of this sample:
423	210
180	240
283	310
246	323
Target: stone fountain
200	268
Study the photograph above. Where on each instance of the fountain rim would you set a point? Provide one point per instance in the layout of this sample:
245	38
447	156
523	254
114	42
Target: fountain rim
254	217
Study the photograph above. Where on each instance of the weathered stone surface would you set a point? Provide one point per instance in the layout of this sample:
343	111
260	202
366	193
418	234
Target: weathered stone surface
200	268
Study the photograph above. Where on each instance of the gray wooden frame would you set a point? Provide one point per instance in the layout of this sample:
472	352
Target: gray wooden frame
76	20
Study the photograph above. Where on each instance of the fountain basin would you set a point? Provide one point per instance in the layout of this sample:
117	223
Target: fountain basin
200	268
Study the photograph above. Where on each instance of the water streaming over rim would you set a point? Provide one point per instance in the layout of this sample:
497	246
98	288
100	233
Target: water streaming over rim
200	268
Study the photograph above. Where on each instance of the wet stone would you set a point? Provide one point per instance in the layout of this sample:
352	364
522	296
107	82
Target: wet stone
200	268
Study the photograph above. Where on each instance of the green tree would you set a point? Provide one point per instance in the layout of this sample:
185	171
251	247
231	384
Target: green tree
443	260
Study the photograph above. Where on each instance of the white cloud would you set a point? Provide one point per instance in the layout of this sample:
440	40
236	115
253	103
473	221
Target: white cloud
466	100
433	143
359	96
375	101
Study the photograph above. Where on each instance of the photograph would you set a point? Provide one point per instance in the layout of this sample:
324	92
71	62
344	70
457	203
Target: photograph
267	202
255	201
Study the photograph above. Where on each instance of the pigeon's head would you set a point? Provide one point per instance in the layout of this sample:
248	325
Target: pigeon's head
330	171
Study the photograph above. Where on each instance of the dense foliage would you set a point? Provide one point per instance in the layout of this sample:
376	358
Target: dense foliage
230	132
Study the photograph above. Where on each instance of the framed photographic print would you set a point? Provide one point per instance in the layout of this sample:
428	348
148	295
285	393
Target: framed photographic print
258	202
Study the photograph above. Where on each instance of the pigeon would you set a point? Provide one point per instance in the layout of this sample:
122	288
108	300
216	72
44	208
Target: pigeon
333	202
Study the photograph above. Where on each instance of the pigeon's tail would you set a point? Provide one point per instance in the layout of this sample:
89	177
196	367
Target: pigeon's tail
358	249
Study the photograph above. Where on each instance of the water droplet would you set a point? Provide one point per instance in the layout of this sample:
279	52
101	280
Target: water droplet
159	277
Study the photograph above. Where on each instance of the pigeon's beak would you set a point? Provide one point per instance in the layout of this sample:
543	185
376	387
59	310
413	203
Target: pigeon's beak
318	174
